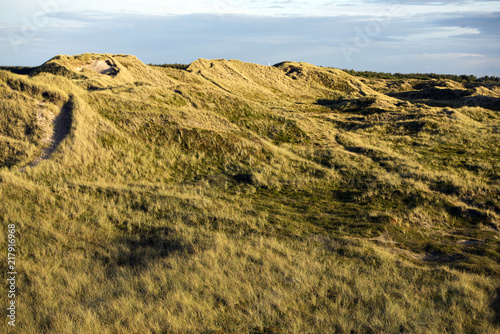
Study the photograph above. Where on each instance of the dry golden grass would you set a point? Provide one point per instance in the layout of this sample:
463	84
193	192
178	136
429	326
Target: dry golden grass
234	197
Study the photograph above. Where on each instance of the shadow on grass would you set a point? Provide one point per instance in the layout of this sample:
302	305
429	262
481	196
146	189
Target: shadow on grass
145	246
496	308
347	104
448	97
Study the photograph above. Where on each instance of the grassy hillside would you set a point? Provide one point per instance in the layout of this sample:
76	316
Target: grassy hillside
228	197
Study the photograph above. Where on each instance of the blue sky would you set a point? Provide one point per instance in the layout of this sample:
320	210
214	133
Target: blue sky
458	37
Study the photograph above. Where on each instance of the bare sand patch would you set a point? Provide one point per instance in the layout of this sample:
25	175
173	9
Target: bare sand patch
103	67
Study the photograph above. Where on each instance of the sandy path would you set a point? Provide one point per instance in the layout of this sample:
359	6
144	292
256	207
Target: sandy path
62	127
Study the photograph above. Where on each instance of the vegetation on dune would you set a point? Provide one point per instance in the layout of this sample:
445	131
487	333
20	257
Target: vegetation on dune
18	69
176	66
472	79
230	197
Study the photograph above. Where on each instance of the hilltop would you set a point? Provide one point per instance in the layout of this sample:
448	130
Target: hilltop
226	196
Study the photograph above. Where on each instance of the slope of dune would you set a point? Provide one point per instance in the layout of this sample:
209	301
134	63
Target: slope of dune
235	197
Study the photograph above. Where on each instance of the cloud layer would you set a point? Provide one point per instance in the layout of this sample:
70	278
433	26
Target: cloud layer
374	35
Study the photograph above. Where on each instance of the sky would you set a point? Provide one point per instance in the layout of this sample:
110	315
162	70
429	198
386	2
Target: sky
448	37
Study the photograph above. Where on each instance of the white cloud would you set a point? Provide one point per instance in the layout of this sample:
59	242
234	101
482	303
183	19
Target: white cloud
442	33
252	7
450	55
